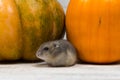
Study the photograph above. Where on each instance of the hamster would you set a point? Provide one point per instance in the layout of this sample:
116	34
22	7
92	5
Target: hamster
59	53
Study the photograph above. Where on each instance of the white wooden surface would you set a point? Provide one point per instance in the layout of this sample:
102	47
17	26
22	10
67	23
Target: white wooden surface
40	71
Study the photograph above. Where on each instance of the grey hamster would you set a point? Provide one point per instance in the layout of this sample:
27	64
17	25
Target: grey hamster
57	53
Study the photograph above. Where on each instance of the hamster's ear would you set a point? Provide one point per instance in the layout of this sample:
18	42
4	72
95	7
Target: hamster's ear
56	45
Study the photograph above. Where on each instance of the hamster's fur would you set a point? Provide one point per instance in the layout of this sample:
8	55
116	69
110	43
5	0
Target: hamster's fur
57	53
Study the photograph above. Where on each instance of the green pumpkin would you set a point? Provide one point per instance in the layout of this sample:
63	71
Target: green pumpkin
26	24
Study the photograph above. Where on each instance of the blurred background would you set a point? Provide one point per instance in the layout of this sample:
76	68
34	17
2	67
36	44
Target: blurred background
64	3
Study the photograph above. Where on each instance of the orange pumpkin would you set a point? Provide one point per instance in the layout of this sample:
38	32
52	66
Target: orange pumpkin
93	27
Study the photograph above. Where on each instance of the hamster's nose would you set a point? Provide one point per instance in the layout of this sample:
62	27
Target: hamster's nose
37	54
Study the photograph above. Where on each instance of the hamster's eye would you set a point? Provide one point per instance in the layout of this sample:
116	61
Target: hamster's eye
46	48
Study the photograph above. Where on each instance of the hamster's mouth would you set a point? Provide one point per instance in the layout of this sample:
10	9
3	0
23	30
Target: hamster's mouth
40	57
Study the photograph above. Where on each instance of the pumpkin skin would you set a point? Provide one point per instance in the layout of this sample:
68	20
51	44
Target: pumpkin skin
93	27
26	24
